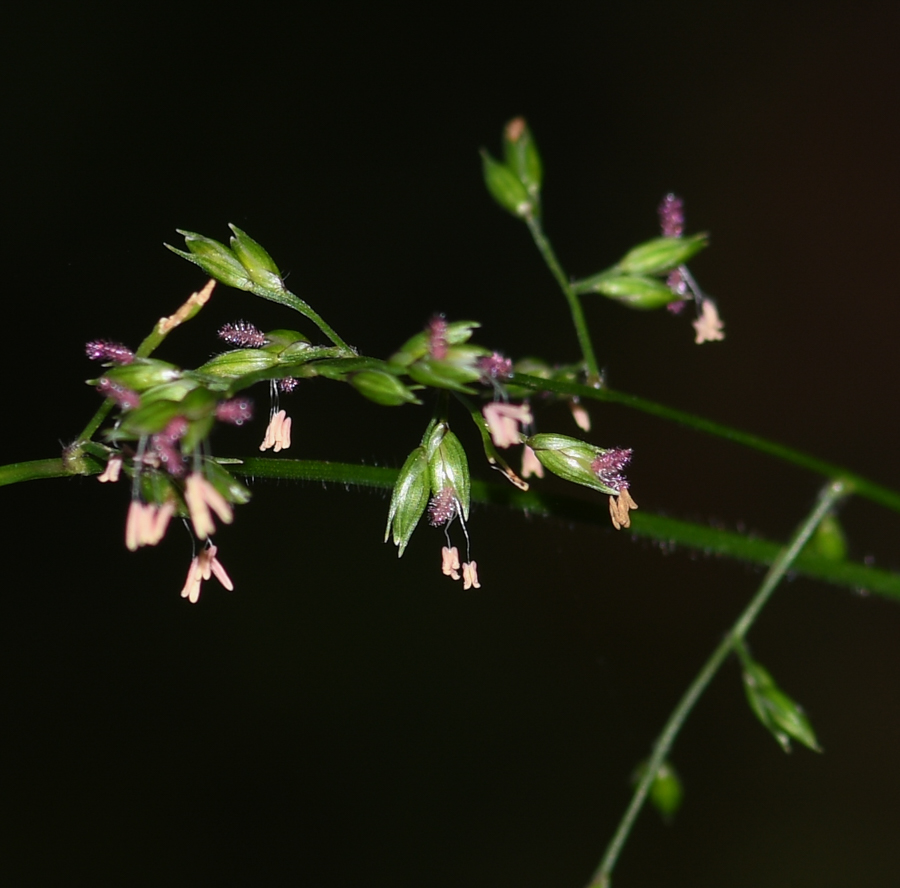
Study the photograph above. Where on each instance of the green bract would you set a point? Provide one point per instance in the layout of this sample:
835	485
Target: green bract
569	458
635	291
666	791
455	333
521	155
215	259
259	265
409	499
449	467
505	187
661	254
455	371
237	363
779	713
142	374
382	388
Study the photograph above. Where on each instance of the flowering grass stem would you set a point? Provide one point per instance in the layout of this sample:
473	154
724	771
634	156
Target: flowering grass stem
829	495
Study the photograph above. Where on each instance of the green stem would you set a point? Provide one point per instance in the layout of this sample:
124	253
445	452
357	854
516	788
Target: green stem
291	300
668	531
581	330
856	484
827	498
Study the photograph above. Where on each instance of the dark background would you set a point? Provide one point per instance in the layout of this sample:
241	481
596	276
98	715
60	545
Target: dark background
344	717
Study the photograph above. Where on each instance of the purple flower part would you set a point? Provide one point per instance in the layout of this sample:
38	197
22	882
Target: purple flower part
243	335
677	283
495	367
124	397
104	350
671	216
437	337
288	384
175	430
442	507
236	411
170	457
164	445
677	307
608	467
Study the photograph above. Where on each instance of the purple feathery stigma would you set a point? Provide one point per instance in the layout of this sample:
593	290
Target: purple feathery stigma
495	366
671	216
608	467
442	507
243	335
104	350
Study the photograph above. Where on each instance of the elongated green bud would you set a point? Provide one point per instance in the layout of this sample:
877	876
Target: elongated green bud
661	254
409	499
260	266
521	154
666	791
450	469
506	188
382	388
215	259
580	462
782	717
143	373
636	291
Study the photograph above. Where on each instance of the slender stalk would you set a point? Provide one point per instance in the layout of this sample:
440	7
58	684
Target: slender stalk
291	300
827	498
581	330
857	484
669	531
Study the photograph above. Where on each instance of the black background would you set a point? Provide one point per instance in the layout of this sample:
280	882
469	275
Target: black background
344	717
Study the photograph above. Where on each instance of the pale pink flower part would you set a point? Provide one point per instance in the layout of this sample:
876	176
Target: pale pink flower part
531	465
147	523
503	421
580	415
203	566
450	565
278	434
156	522
470	575
134	525
112	471
619	507
200	497
709	326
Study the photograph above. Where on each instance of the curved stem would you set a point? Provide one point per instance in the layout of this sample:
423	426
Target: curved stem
857	484
291	300
581	330
827	498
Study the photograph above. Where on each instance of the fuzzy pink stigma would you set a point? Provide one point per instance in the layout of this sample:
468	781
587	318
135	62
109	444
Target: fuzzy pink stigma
164	444
288	384
237	411
124	397
608	467
495	367
104	350
671	216
437	337
442	507
243	335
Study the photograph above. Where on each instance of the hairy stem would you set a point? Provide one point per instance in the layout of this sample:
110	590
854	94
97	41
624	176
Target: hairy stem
827	498
856	484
